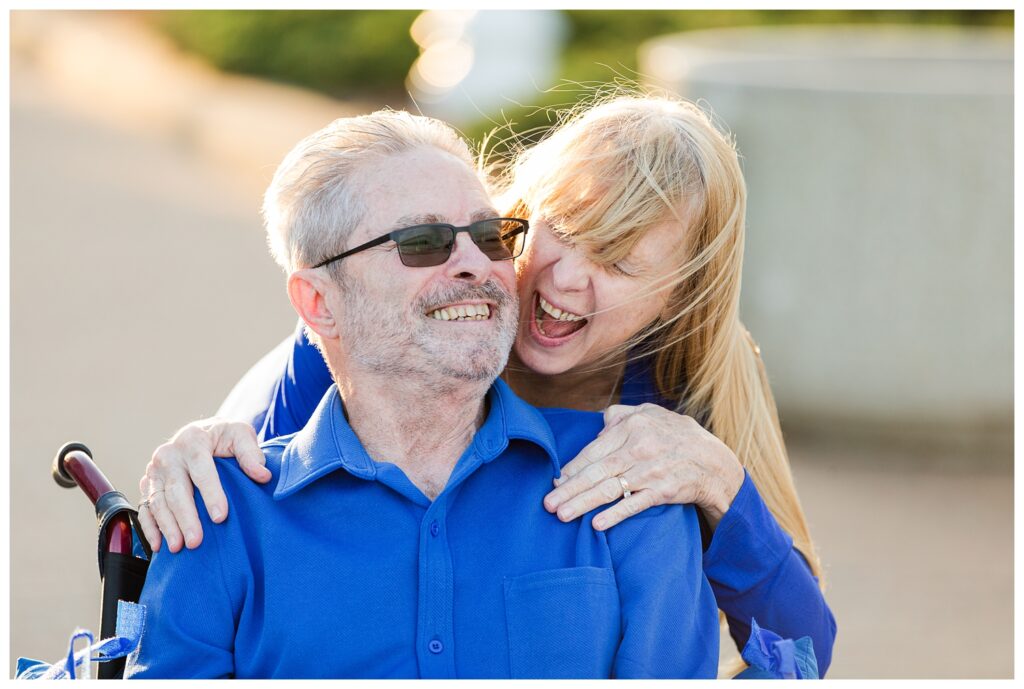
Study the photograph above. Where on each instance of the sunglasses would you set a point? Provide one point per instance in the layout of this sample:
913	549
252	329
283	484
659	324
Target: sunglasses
421	246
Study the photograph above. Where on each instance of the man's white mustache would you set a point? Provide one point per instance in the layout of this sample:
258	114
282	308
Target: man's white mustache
489	291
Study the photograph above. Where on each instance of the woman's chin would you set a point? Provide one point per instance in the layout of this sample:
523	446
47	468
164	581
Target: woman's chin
541	360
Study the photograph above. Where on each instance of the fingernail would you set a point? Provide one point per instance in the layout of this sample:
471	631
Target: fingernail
190	537
215	514
565	515
560	480
598	523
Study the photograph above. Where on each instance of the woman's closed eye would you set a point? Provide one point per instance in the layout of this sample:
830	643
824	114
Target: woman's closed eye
624	268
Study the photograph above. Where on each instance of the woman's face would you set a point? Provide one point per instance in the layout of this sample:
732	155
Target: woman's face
574	311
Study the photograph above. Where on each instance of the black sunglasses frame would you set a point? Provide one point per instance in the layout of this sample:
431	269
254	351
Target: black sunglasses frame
397	236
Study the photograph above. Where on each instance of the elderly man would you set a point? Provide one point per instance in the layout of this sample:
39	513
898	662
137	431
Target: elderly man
402	534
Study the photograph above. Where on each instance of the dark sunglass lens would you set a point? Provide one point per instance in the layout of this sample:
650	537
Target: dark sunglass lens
514	236
425	245
499	239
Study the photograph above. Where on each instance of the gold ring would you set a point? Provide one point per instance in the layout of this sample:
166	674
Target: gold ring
626	492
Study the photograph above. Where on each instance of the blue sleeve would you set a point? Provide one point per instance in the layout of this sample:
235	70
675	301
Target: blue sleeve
669	615
756	572
278	395
191	617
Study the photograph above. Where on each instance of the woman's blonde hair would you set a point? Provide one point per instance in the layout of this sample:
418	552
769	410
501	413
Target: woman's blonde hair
611	170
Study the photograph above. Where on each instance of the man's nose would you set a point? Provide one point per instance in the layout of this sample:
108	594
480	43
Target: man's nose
467	262
571	272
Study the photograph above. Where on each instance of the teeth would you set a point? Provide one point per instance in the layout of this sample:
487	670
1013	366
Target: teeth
557	313
466	312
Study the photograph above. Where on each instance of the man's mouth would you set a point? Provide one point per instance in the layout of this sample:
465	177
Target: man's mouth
553	322
462	312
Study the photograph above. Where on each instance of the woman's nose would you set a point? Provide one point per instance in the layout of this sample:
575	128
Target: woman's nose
571	272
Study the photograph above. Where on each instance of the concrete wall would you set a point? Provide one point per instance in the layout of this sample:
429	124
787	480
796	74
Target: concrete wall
879	162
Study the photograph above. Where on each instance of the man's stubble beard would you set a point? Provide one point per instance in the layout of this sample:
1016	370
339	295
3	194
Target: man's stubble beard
390	346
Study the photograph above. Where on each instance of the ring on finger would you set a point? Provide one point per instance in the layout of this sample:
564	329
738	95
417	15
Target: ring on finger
149	499
626	492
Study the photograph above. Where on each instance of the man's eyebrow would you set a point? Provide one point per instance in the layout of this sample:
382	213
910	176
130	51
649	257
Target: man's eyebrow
483	214
417	219
428	218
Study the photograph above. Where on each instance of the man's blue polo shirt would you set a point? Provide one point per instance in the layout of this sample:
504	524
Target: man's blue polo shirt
751	563
341	567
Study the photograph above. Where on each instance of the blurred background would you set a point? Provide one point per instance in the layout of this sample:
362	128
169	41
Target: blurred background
877	148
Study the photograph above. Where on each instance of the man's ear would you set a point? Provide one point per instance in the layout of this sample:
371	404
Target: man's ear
307	290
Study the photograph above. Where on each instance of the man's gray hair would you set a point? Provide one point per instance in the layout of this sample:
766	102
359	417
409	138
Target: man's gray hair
315	199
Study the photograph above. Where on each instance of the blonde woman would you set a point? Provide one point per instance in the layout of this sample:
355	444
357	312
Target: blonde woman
629	290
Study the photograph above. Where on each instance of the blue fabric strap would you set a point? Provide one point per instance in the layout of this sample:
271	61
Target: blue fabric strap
131	618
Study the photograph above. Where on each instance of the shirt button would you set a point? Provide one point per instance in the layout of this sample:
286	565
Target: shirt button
435	646
435	529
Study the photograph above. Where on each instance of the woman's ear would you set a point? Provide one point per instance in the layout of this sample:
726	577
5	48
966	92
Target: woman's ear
308	290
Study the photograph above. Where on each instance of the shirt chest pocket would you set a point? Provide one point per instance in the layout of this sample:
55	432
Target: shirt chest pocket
563	623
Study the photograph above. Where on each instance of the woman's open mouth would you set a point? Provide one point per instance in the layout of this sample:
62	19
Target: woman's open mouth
551	325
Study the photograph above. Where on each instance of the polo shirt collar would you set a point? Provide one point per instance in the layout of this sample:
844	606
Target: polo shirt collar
510	418
327	442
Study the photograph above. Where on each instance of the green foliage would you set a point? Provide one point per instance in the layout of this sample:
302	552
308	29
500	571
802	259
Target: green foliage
367	53
339	53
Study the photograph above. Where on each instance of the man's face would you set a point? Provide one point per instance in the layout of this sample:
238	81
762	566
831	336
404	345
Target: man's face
387	320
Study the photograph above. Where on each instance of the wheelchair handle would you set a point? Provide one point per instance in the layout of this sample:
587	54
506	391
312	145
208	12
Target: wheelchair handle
59	472
73	466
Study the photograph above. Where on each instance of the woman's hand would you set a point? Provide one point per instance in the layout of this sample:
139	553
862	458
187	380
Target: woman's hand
166	488
664	458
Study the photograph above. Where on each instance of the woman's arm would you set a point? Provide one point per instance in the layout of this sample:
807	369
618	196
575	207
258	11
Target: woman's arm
279	393
750	561
275	397
756	572
168	507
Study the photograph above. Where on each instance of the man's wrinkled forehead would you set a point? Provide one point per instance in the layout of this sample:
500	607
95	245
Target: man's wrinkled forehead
417	187
428	218
365	234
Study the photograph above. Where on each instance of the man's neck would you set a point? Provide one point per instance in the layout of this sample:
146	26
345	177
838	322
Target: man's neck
423	427
592	389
